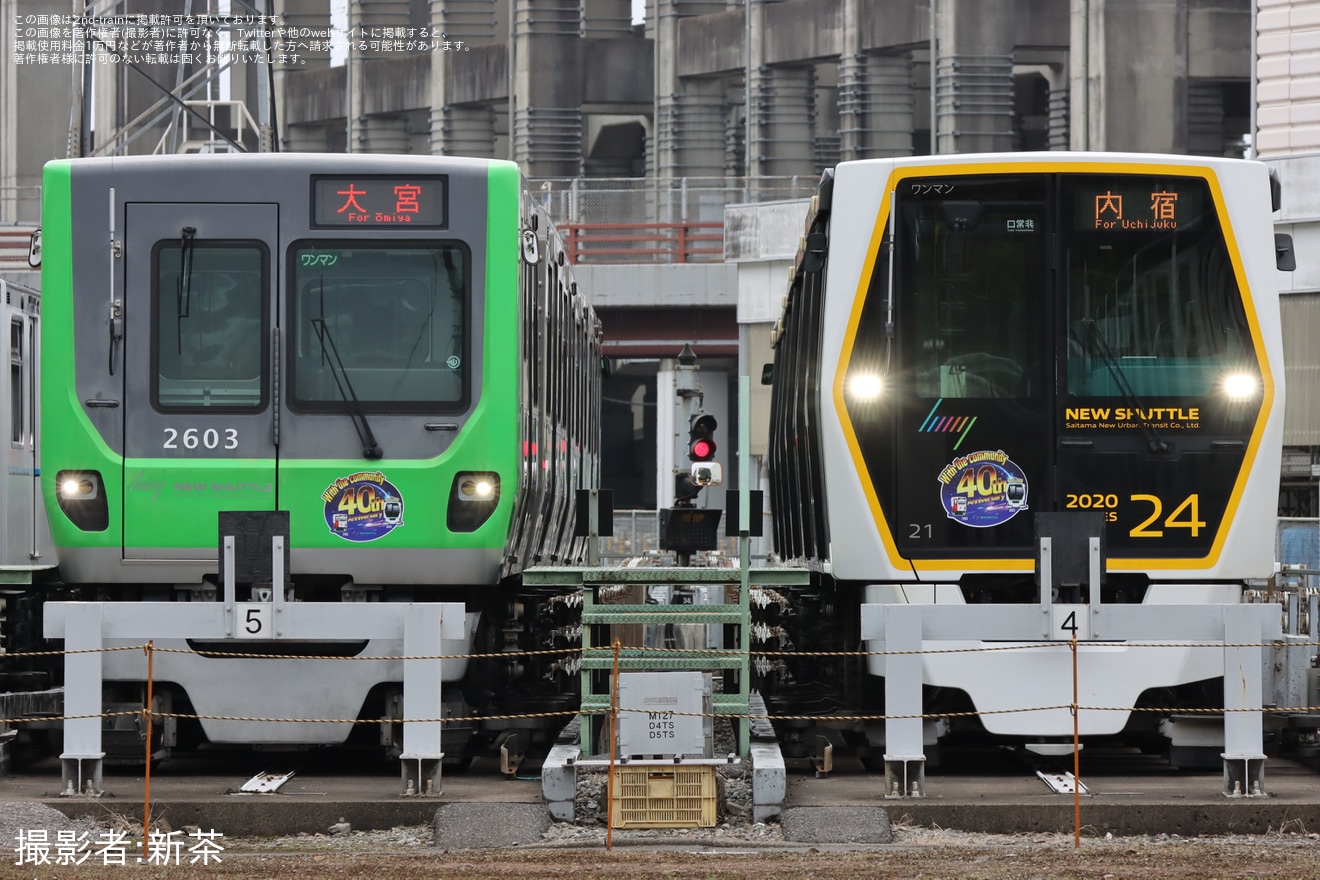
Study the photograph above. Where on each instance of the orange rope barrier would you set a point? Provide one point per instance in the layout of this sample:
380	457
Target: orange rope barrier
146	795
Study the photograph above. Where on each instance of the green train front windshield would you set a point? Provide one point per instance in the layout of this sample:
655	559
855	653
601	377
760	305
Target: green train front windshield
393	315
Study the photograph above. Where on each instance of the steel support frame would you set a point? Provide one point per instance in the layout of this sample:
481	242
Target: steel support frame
594	705
1243	629
418	628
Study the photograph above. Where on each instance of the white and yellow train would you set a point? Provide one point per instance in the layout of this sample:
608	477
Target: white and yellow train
972	340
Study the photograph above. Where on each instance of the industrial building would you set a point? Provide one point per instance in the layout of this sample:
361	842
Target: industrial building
651	120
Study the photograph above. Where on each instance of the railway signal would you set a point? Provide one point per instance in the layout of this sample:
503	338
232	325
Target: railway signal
701	437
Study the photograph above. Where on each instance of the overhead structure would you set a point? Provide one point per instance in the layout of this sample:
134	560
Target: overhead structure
199	94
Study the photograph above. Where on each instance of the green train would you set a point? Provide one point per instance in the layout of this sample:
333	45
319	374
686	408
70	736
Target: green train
386	357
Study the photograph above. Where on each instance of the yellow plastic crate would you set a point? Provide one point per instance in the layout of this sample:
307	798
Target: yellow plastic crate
661	797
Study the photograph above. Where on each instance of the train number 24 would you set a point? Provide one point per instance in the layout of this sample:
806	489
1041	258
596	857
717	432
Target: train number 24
1186	515
1188	510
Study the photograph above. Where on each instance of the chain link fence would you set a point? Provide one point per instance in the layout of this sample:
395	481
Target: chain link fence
1297	550
20	205
637	533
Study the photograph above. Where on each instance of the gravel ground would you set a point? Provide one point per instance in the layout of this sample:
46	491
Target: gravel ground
23	817
518	840
479	841
731	850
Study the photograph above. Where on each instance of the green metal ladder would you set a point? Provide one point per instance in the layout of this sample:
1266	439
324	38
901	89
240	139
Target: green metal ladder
598	659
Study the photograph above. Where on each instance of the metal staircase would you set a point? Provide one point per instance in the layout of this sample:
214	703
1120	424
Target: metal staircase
598	616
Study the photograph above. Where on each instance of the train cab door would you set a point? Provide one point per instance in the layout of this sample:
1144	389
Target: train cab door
199	432
972	306
23	537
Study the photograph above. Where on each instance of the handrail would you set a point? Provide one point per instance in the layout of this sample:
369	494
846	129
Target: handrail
15	242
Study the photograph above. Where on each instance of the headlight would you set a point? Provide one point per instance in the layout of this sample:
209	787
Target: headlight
1240	386
81	497
473	498
71	489
477	488
866	386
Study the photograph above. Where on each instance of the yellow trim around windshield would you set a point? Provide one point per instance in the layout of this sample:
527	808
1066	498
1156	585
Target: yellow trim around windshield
1052	167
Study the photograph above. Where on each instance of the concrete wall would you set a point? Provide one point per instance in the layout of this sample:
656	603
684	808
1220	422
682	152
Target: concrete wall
1299	178
765	231
35	101
762	241
1288	77
1144	76
712	44
479	75
315	96
1124	73
802	30
677	285
1301	361
457	101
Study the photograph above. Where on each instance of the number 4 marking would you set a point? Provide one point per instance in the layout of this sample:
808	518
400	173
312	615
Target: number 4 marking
1070	622
1193	522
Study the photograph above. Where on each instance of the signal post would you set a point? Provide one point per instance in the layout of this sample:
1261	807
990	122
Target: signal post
685	527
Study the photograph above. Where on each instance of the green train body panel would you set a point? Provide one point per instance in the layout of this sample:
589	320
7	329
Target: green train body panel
67	433
172	502
390	351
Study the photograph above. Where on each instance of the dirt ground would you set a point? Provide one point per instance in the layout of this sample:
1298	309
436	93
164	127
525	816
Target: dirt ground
1285	857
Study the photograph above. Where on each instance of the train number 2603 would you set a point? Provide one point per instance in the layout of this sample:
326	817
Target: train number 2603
198	438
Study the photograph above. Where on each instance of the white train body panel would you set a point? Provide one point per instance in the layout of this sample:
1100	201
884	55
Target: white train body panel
1185	523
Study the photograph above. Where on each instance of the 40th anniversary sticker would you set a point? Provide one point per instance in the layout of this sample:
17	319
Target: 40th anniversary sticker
983	489
363	506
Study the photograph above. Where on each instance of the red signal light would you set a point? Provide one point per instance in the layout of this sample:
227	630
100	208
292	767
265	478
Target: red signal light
701	439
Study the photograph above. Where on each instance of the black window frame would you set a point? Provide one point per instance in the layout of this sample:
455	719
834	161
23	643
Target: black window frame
17	384
1204	235
264	383
987	192
469	373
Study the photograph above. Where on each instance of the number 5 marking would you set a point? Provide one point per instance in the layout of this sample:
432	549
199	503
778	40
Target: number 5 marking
252	620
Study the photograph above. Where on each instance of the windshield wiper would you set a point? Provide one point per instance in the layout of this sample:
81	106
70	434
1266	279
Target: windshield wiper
1152	436
183	295
370	448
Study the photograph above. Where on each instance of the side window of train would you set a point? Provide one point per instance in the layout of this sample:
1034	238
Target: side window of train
17	423
209	316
